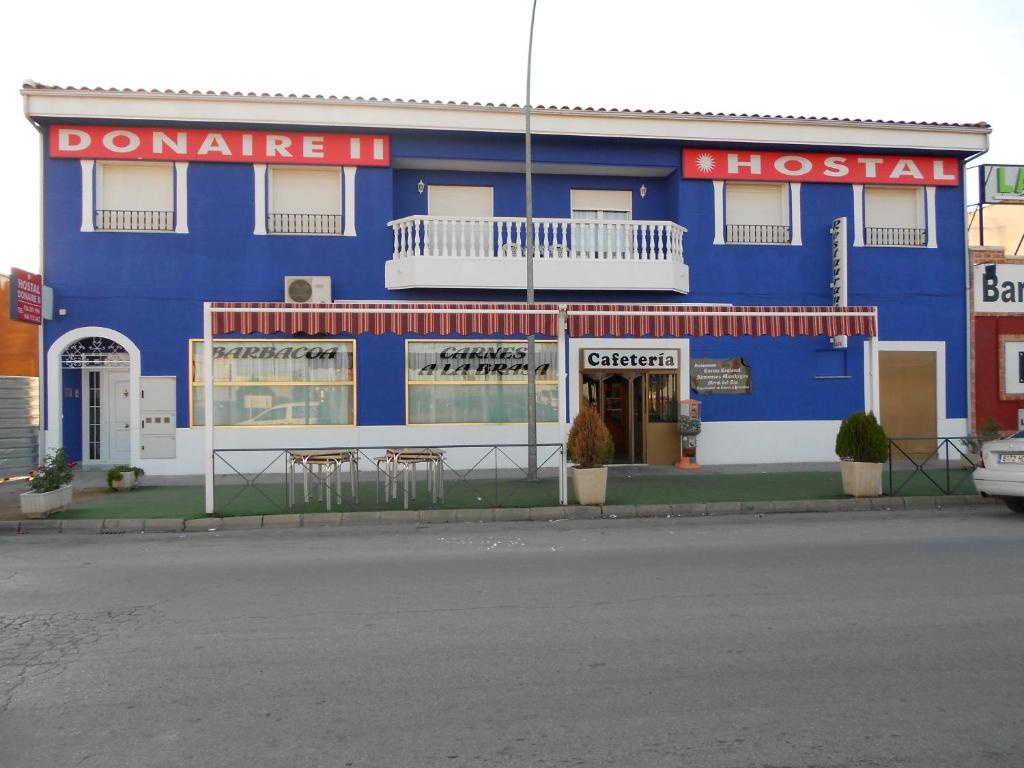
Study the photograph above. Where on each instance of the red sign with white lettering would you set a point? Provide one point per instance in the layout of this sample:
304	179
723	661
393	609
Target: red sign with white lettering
743	165
217	146
26	297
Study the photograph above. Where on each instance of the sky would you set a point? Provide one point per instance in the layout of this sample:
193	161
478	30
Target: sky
879	59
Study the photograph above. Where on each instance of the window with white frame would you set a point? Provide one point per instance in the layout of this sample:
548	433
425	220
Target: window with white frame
134	197
304	201
757	213
460	220
601	221
894	216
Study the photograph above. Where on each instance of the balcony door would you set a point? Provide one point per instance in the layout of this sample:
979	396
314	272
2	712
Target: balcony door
464	226
600	222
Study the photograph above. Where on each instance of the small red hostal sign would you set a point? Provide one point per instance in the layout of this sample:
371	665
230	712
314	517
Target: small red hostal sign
26	297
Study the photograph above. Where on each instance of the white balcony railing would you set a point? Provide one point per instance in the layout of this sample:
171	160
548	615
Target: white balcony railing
580	254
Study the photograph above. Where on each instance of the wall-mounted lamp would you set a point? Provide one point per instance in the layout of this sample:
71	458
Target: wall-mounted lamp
420	186
643	190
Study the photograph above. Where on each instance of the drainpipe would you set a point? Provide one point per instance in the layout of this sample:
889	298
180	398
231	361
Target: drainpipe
968	297
41	351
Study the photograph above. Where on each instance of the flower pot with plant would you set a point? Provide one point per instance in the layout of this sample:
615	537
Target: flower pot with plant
51	487
863	449
590	445
123	477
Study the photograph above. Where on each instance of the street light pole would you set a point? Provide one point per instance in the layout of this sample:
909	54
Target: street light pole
531	359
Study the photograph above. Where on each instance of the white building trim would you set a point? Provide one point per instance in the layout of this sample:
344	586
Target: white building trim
181	198
88	168
259	203
349	200
54	383
797	237
68	105
718	187
939	348
931	222
858	215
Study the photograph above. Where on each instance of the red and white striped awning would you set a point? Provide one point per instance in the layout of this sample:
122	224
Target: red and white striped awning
354	318
521	319
678	320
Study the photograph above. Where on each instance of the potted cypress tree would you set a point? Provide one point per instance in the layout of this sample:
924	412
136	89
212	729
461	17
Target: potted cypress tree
590	445
862	448
51	487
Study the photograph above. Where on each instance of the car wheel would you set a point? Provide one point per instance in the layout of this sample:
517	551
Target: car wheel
1016	505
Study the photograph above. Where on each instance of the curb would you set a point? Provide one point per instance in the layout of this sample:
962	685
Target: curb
498	515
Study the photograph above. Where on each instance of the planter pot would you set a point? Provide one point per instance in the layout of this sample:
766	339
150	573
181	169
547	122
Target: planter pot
590	485
126	483
35	505
861	478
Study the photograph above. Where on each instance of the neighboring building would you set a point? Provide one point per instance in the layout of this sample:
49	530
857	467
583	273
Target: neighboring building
19	350
155	203
1004	227
997	323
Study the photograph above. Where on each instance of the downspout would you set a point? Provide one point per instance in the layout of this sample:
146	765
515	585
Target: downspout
41	351
968	297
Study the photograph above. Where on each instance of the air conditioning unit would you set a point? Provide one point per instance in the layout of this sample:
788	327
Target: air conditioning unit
307	289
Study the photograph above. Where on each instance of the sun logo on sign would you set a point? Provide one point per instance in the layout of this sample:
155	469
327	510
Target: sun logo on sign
705	163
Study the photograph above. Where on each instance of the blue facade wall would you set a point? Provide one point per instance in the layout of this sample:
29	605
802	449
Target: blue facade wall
151	286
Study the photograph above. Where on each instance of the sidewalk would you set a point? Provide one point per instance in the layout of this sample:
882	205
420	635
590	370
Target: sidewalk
633	491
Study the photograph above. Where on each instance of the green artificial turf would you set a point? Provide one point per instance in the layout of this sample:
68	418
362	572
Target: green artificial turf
267	498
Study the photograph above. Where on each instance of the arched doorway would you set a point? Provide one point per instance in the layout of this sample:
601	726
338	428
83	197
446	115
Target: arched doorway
93	396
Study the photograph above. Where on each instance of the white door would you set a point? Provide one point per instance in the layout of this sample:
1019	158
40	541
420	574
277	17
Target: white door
117	418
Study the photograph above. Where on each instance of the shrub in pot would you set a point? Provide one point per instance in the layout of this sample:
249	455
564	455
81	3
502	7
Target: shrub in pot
51	486
590	445
863	449
123	477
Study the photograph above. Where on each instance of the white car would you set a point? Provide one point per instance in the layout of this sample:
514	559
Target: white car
1000	472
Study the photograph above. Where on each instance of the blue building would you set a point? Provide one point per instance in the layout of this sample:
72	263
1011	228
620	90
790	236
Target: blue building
361	266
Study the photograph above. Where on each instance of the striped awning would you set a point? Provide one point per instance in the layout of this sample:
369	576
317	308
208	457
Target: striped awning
521	319
354	318
718	320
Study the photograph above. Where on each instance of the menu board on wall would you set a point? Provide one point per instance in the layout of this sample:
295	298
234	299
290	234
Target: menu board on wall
717	376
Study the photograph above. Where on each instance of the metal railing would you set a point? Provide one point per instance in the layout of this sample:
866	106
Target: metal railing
304	223
894	236
255	480
766	234
943	463
135	221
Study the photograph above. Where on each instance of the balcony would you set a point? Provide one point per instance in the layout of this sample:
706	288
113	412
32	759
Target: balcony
569	254
894	236
758	234
134	221
303	224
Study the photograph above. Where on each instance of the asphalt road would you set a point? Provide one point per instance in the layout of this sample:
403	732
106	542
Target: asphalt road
855	639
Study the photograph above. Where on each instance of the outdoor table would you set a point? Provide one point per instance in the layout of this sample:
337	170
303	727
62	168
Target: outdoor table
321	460
406	460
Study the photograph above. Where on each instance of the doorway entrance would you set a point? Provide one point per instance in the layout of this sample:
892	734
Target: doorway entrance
640	409
907	391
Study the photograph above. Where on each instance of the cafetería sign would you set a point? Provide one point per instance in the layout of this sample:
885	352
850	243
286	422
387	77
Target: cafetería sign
626	359
741	165
217	146
26	297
